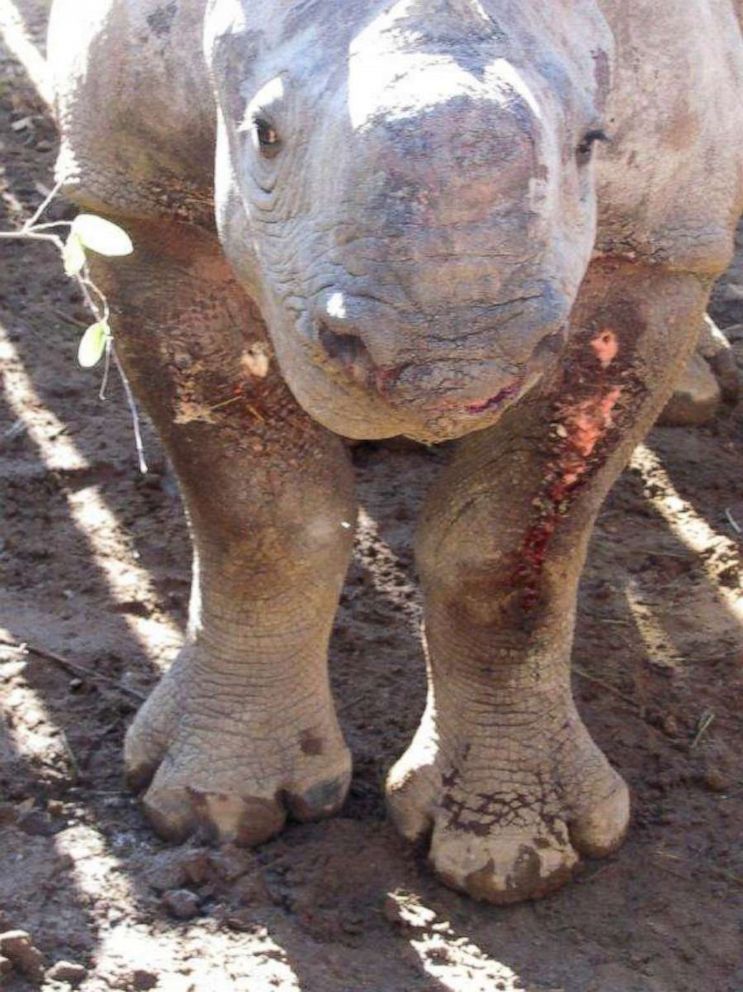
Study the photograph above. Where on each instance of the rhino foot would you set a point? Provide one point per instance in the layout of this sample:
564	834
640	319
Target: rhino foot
213	770
506	836
709	380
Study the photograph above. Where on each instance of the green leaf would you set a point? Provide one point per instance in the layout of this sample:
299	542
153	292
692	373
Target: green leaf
93	344
73	255
102	236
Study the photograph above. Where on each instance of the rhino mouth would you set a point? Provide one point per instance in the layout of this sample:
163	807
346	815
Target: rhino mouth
545	356
494	402
428	400
507	395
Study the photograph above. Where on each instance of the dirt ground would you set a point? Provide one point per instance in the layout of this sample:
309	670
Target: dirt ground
95	569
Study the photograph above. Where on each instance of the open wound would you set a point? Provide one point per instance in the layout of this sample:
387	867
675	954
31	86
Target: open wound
583	417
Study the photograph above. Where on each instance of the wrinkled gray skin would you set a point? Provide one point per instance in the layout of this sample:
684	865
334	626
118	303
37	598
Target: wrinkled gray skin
417	233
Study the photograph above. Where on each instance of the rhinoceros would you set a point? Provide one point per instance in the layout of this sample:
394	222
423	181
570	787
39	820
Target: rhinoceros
493	223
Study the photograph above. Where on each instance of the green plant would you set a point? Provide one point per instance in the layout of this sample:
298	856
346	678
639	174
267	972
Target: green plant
74	239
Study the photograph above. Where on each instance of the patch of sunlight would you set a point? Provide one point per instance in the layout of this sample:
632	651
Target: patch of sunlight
654	635
34	735
39	741
183	959
108	544
388	575
19	42
45	429
96	872
692	529
454	962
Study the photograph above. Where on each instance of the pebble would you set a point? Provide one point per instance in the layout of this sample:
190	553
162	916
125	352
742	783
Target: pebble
16	945
181	903
716	781
37	823
696	399
731	293
141	979
67	971
670	725
173	870
197	867
232	862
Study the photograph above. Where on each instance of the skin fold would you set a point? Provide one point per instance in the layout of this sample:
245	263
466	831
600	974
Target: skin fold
482	221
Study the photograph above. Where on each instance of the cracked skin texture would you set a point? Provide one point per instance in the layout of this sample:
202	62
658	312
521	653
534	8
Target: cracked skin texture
435	261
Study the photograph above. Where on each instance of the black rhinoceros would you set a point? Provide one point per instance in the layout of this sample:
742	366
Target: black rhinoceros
489	221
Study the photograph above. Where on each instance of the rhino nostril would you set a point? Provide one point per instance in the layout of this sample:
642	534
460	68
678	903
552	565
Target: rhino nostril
346	350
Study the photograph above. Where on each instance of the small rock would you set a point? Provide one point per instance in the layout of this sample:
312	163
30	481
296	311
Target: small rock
16	945
181	903
197	867
6	966
141	979
697	397
731	293
231	862
37	823
180	868
241	920
670	725
168	871
67	971
716	781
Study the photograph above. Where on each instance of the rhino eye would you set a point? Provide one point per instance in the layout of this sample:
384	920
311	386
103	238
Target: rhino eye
267	137
584	150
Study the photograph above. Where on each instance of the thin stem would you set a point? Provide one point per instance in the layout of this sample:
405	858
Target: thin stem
88	284
70	666
133	409
33	236
54	223
106	370
58	186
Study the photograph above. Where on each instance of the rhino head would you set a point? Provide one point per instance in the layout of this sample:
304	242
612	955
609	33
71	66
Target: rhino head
407	190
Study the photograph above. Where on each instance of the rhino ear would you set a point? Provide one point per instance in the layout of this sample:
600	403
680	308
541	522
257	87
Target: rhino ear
229	31
230	48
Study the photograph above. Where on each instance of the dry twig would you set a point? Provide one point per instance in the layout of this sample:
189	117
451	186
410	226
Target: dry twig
606	685
79	671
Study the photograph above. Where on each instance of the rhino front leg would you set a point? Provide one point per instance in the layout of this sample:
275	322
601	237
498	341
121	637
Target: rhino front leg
241	730
502	769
